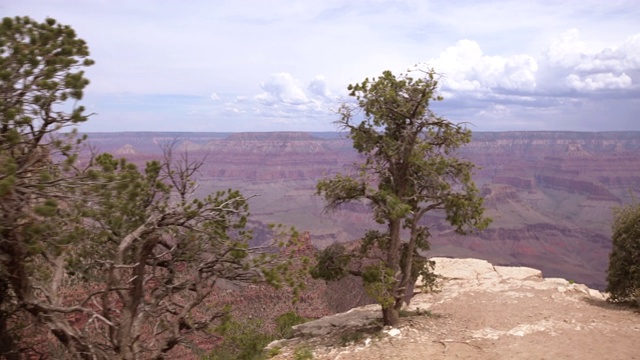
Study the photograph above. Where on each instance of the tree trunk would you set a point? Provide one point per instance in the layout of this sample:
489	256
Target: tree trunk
393	251
390	316
393	259
8	340
408	282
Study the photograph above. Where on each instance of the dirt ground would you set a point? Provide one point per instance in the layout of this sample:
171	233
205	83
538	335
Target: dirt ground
490	317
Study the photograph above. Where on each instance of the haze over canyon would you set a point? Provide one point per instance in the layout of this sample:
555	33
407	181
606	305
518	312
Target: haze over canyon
550	194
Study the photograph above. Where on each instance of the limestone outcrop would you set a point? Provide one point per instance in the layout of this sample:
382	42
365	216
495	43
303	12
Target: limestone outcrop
481	311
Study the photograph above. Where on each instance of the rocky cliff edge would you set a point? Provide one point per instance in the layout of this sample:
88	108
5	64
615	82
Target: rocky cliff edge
480	311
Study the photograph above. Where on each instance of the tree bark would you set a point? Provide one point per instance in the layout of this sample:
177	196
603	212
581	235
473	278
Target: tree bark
390	316
8	340
407	283
393	255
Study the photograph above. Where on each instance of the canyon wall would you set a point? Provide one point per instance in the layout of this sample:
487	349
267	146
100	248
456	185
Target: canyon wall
550	193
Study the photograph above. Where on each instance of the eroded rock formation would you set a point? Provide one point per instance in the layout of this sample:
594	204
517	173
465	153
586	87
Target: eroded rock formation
550	193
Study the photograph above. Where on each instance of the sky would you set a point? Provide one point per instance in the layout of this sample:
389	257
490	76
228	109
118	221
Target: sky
277	65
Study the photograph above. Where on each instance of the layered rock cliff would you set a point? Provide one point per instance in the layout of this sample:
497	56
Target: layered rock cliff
550	193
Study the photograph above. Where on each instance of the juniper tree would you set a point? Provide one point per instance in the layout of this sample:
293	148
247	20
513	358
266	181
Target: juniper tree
40	75
409	169
115	261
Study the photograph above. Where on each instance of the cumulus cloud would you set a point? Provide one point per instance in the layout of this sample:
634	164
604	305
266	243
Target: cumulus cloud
496	111
567	50
630	52
214	97
284	100
565	82
585	72
318	88
229	109
466	68
566	67
598	81
283	88
492	91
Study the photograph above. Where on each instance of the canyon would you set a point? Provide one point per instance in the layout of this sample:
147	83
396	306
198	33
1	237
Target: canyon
550	194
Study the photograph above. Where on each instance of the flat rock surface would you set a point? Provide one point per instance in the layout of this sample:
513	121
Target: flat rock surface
482	312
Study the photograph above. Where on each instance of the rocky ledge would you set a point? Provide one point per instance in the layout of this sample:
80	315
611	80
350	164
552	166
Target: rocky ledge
480	311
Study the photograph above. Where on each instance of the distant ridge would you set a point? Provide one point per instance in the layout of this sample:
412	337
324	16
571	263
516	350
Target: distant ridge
293	135
550	193
337	134
272	136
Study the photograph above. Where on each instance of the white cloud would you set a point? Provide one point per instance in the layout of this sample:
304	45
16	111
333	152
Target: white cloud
466	68
496	111
285	101
318	88
233	110
601	81
565	68
519	73
617	59
522	56
281	87
552	90
609	68
629	51
566	50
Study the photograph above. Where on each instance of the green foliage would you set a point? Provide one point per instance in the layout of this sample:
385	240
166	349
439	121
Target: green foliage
40	67
247	340
285	322
303	353
274	351
351	337
410	169
130	251
40	72
331	263
372	240
357	335
623	276
421	268
242	341
379	282
47	209
41	79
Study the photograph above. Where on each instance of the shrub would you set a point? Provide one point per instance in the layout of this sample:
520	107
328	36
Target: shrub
624	263
246	340
285	323
242	341
303	354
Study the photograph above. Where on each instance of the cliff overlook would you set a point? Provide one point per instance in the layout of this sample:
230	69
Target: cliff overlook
481	311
